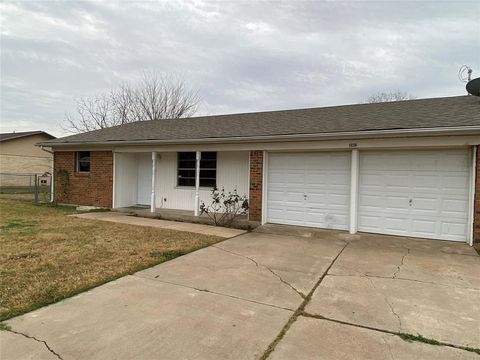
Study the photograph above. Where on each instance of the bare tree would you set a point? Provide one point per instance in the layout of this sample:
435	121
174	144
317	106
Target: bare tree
153	98
389	96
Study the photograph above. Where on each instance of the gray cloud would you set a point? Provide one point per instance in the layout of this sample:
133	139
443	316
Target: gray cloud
241	56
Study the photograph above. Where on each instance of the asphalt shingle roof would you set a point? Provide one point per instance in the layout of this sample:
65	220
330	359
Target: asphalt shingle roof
16	135
446	112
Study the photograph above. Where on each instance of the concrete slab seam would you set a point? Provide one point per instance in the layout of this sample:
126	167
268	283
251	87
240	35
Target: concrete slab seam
362	275
214	292
300	309
386	331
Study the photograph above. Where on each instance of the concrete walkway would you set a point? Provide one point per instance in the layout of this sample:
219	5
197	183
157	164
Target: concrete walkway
277	293
116	217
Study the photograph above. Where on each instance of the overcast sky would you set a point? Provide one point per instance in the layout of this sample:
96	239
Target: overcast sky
241	56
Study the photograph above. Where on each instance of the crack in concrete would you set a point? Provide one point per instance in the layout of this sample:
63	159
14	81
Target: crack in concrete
401	264
302	295
236	254
215	293
300	309
404	279
37	340
385	331
389	305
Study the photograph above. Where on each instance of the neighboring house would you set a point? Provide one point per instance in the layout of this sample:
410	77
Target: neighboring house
403	168
19	157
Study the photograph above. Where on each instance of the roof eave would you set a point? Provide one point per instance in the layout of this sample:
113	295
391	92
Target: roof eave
462	130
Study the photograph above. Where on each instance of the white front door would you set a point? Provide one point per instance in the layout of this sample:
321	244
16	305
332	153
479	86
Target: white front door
419	193
309	189
144	178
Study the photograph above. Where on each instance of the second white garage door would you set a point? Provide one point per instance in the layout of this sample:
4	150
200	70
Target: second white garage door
419	193
309	189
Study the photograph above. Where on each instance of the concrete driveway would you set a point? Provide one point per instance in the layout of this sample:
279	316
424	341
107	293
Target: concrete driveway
277	293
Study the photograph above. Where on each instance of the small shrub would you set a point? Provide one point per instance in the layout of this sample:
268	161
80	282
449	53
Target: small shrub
225	207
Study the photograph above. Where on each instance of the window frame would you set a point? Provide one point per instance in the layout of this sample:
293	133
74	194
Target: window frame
178	178
77	162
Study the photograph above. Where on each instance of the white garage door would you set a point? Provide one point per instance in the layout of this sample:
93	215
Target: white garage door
421	193
309	189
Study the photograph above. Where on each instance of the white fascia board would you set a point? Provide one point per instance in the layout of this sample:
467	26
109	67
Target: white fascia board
467	130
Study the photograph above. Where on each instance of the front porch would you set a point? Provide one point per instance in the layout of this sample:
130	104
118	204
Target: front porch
241	222
163	185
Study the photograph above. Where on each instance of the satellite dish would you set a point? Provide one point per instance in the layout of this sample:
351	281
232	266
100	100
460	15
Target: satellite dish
473	87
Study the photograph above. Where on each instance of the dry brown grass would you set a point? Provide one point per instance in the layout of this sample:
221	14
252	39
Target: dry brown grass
46	255
25	197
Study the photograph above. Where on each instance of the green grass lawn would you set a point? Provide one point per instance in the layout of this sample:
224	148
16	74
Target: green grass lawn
46	255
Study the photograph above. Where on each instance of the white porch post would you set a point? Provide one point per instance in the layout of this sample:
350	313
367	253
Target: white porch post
152	198
197	183
354	191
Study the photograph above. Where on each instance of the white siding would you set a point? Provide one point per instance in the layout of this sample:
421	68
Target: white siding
125	180
232	173
144	178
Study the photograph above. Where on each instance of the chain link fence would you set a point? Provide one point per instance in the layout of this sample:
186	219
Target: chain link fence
33	187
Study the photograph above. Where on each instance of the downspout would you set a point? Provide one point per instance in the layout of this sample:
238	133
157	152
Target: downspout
52	182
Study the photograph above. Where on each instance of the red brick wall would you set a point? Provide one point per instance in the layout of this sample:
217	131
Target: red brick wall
476	212
93	188
256	180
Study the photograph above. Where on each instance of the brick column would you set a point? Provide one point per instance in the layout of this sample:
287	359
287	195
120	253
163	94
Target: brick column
256	181
476	208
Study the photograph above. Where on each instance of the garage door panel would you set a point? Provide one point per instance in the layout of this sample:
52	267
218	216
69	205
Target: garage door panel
454	206
287	162
317	200
339	201
395	182
369	201
415	193
454	229
425	204
396	224
369	222
426	182
455	182
424	227
316	180
329	221
320	188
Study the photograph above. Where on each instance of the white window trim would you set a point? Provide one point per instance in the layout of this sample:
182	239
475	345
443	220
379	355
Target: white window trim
77	163
190	187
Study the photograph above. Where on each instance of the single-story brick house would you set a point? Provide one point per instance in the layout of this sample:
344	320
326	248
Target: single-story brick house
405	168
